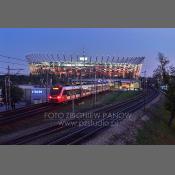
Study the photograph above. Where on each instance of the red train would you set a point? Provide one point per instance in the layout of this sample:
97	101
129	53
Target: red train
61	94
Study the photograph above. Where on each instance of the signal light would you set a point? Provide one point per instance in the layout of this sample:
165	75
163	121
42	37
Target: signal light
50	97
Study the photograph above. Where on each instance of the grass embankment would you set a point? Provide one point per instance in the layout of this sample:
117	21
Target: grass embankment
156	130
105	99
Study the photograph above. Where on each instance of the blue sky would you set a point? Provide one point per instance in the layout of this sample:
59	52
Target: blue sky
128	42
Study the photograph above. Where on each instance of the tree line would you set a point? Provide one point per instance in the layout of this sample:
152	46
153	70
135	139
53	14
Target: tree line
164	75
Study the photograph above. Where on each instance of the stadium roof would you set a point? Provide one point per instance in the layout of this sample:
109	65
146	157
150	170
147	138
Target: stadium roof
38	58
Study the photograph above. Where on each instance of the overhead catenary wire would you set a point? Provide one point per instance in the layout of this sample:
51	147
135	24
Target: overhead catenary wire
8	62
12	73
14	58
12	63
3	73
19	64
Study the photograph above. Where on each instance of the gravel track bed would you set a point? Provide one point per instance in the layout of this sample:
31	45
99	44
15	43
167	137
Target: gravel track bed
124	132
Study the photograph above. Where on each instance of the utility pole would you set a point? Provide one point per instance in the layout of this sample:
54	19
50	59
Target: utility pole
72	94
102	72
95	88
145	90
112	73
6	95
95	83
46	85
81	69
73	101
81	78
9	87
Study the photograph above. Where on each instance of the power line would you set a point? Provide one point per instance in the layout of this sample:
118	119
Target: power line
2	68
2	73
24	64
17	74
12	58
12	63
19	71
11	69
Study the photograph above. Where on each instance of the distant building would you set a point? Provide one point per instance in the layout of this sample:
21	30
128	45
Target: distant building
34	95
86	67
1	99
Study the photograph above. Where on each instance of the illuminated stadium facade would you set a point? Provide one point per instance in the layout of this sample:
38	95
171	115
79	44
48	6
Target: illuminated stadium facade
86	67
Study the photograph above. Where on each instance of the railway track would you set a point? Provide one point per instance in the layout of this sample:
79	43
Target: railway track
80	134
8	117
32	136
25	113
11	112
77	134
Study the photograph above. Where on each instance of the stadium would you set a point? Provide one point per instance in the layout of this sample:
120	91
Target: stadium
86	67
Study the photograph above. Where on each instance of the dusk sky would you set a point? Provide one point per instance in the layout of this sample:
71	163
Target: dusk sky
105	42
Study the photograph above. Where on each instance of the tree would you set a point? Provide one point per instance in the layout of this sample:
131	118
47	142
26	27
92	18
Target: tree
170	100
161	74
172	71
169	80
16	95
157	76
166	76
163	68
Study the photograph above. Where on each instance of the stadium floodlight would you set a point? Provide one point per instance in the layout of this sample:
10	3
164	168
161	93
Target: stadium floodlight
71	58
77	58
48	57
53	58
107	59
58	58
90	59
64	57
96	59
101	59
112	59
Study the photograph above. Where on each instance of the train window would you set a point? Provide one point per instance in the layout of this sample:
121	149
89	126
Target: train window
75	91
55	91
70	92
66	93
84	90
78	91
